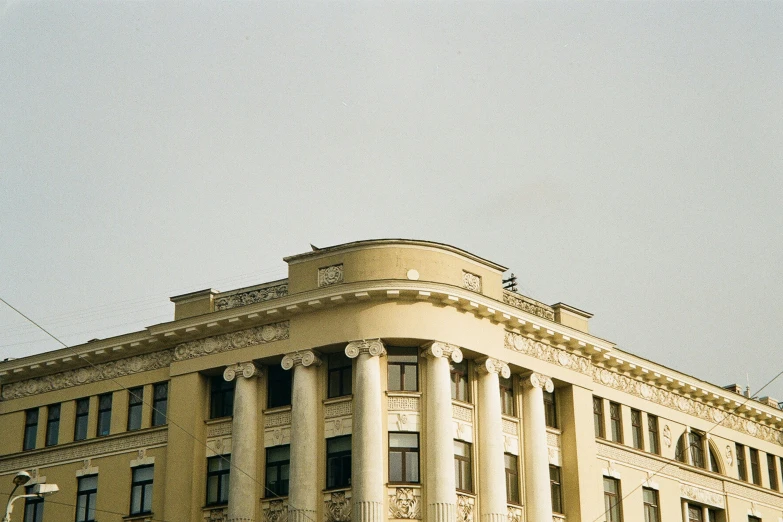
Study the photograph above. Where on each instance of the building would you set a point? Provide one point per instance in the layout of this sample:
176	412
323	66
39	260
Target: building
382	380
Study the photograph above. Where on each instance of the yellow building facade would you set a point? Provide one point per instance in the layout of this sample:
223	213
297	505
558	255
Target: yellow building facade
382	380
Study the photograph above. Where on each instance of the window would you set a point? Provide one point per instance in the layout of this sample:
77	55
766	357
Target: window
506	396
459	381
85	498
755	468
33	507
160	403
512	478
339	375
773	471
742	467
403	369
218	477
652	434
651	512
556	488
612	500
52	425
712	515
82	418
221	397
104	414
30	429
135	399
279	387
141	490
616	418
696	447
751	518
338	462
636	429
404	457
462	466
714	462
550	409
695	513
278	461
598	417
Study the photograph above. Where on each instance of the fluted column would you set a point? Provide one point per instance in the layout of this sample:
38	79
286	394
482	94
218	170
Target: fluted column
492	469
303	482
538	495
441	484
244	429
367	441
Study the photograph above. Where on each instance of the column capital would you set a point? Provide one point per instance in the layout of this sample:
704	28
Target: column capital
303	357
374	347
537	380
245	369
490	365
439	349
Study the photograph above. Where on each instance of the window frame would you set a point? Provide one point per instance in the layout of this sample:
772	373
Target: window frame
463	467
30	435
755	466
609	507
103	427
160	405
460	381
90	497
512	479
221	397
772	471
275	489
395	357
145	489
652	434
556	488
53	424
406	476
222	476
135	406
598	417
637	440
338	464
616	421
81	423
343	372
652	510
696	448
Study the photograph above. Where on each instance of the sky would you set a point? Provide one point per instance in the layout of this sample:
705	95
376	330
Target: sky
624	158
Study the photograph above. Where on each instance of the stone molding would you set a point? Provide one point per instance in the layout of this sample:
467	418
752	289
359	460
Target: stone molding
218	429
374	347
439	349
489	365
520	343
232	341
704	496
341	408
304	358
331	275
528	305
215	514
246	370
537	380
258	295
405	503
98	372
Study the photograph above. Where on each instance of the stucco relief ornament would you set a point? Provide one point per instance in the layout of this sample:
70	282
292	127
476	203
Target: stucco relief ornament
667	435
338	508
246	370
305	358
404	504
464	508
514	514
471	282
232	341
729	456
276	512
330	275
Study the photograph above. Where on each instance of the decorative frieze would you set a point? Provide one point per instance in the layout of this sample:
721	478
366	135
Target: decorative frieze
219	429
219	514
545	352
510	427
704	496
462	413
405	503
754	494
465	507
338	409
275	510
257	295
232	341
404	403
98	372
471	281
528	305
552	439
330	275
277	418
337	506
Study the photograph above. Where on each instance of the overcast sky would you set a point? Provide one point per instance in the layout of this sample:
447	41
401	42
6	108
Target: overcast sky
623	158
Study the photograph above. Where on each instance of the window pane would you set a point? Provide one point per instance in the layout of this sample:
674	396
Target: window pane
147	507
141	474
409	378
403	440
395	466
395	371
136	499
412	466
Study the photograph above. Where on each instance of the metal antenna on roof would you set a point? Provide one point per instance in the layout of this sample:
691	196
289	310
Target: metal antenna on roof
510	283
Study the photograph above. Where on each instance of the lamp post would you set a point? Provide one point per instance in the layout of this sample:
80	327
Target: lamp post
39	490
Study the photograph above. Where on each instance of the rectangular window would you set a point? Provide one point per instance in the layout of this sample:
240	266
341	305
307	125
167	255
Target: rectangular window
104	414
695	513
751	518
218	476
402	365
651	512
221	397
338	462
279	388
463	466
85	498
755	468
712	515
556	488
506	396
278	462
404	458
82	419
616	418
598	417
339	375
160	403
696	446
550	409
459	381
141	490
636	429
612	500
52	424
652	434
135	400
772	471
742	467
33	507
512	478
30	429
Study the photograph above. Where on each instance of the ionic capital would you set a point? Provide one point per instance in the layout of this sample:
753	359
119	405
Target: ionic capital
304	357
490	365
537	380
245	369
374	347
439	349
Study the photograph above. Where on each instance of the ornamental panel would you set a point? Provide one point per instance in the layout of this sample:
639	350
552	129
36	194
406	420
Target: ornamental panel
275	510
465	508
520	343
405	503
461	413
338	409
232	341
528	305
471	281
404	403
330	275
278	418
258	295
337	506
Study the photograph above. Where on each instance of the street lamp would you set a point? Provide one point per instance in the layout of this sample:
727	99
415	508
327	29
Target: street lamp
39	491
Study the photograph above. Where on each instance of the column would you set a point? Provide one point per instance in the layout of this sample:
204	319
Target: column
492	469
538	495
367	441
303	481
244	429
440	482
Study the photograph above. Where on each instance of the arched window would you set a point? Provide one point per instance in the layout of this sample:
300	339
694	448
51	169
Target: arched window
715	463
